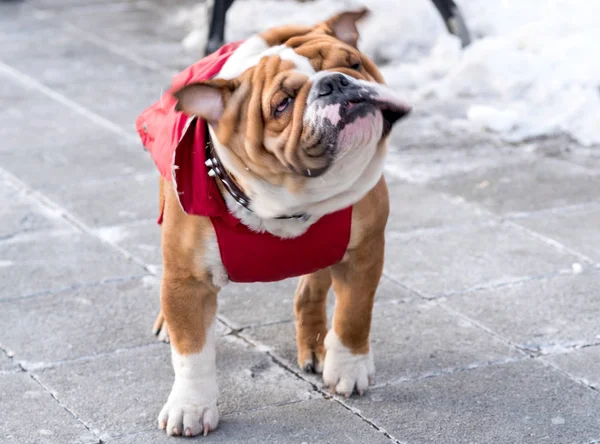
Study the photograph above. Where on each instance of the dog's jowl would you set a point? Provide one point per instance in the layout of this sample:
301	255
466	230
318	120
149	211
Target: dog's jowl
271	155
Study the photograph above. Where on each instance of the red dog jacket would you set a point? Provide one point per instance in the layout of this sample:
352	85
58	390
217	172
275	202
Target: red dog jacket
175	140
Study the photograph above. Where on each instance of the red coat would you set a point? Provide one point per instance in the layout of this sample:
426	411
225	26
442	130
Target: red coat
247	256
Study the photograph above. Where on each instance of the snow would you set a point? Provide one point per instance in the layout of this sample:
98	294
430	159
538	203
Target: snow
532	69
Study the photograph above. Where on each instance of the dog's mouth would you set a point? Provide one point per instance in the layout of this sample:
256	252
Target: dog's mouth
391	111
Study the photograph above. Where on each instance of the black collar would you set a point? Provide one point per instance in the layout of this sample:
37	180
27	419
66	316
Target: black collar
216	169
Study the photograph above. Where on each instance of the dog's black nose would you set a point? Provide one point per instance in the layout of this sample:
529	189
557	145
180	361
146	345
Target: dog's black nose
334	83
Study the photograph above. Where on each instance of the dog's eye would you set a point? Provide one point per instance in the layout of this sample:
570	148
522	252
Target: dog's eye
282	106
355	67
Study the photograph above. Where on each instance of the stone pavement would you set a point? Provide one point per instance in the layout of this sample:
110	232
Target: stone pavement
486	323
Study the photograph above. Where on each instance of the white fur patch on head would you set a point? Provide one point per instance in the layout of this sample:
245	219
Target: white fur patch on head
344	370
249	53
192	404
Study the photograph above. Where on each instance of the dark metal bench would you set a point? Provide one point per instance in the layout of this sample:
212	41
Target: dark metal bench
447	8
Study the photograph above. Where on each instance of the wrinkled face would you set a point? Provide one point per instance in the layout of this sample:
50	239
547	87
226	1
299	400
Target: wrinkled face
298	104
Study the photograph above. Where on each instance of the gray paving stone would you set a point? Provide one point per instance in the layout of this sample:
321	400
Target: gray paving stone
523	402
142	239
409	339
251	304
123	392
115	202
316	421
20	214
258	304
144	30
80	323
531	185
433	158
98	78
457	259
414	207
67	150
52	260
582	365
577	229
6	364
541	316
31	415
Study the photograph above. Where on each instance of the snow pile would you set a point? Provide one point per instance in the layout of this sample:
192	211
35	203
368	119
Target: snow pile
532	69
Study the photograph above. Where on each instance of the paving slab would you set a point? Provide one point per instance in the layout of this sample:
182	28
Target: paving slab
469	256
524	402
409	339
123	392
252	304
530	185
142	239
582	365
316	421
432	158
20	214
414	207
53	260
68	149
115	202
145	31
259	304
109	95
577	229
31	415
541	316
6	363
84	322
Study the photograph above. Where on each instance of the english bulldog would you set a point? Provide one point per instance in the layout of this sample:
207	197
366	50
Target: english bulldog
271	154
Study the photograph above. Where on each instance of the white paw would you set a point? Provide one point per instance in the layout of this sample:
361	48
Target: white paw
344	371
192	405
182	416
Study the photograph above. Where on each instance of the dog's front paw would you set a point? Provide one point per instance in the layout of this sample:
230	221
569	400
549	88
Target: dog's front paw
345	371
180	416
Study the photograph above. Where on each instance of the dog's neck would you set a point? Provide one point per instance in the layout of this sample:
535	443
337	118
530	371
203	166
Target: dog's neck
228	184
269	200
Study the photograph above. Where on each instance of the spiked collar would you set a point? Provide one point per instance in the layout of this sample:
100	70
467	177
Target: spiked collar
216	169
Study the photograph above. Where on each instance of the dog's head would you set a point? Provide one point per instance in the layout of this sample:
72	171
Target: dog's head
300	116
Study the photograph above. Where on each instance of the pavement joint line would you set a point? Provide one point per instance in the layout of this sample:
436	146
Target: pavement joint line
37	366
30	82
283	364
139	177
409	234
258	325
64	406
73	220
573	378
497	336
74	287
111	47
107	45
558	246
451	371
565	210
503	284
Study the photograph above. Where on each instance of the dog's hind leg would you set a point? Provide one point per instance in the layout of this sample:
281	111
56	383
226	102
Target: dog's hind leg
311	319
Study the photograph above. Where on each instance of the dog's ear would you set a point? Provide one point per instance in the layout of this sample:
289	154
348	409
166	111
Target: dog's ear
343	25
205	99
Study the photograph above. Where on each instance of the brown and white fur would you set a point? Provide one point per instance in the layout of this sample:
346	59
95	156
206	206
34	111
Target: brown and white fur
300	118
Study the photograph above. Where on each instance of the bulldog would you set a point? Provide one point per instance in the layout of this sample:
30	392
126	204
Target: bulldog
271	153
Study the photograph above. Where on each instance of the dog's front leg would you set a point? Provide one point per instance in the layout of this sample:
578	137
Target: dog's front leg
189	307
349	360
